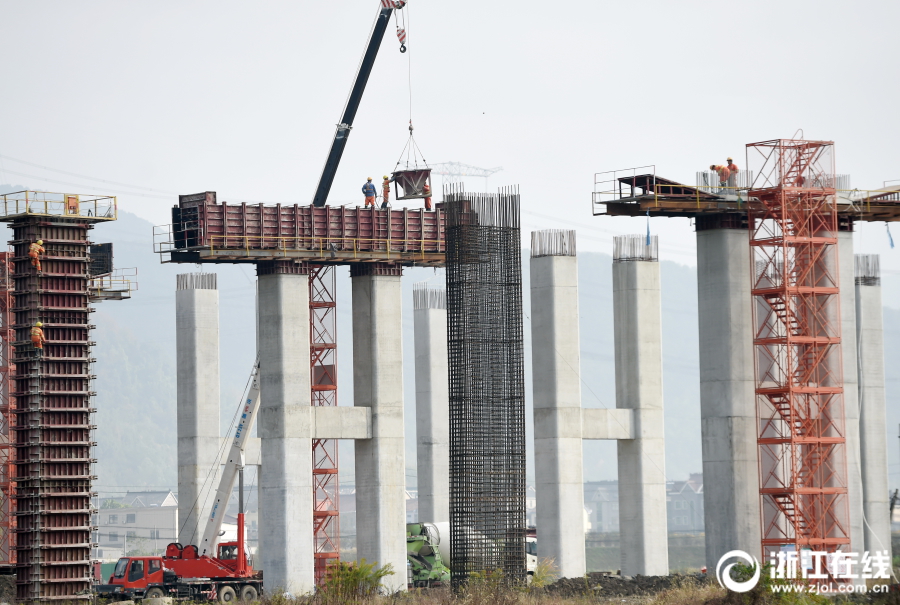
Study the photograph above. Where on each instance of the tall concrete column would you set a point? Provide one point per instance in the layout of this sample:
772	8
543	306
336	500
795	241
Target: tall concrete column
851	389
727	393
432	403
197	400
378	384
285	483
873	439
637	309
556	372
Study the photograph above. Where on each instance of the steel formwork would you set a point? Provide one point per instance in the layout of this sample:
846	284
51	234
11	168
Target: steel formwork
53	411
487	394
797	346
323	366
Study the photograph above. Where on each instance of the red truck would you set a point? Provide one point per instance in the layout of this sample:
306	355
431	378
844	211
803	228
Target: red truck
185	574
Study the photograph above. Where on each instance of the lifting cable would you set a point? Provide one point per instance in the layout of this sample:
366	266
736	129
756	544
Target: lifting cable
411	149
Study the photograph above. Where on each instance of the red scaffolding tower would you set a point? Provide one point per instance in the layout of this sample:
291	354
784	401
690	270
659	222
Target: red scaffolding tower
323	368
797	347
7	417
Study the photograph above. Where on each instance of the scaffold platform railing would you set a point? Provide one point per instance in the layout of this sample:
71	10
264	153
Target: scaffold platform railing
69	205
640	191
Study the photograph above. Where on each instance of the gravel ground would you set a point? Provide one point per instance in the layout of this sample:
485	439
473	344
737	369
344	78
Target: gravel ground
608	585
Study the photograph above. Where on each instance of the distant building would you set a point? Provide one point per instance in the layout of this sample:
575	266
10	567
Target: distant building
137	523
684	504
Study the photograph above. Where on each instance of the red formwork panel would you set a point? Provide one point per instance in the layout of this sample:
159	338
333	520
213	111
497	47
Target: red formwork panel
53	429
257	226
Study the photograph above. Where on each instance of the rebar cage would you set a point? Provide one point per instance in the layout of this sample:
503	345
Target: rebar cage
487	384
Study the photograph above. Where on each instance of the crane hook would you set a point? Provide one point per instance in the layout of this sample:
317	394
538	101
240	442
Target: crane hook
403	48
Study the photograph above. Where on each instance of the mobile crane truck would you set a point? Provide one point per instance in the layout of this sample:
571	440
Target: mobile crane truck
189	572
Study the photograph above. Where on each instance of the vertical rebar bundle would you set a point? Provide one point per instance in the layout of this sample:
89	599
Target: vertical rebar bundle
552	242
797	347
868	270
323	366
7	415
487	386
636	247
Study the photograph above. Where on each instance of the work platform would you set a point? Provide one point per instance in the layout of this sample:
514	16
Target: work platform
206	231
640	194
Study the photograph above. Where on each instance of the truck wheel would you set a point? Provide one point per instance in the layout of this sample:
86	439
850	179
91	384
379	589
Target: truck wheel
154	593
249	593
227	595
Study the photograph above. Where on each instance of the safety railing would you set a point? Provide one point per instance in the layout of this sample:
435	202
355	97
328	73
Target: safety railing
614	185
118	284
325	246
45	203
708	181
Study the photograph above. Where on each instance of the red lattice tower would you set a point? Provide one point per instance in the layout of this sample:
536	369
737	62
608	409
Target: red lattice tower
7	417
797	347
323	363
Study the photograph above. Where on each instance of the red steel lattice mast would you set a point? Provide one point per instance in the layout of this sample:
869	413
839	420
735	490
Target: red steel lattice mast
323	366
7	417
797	347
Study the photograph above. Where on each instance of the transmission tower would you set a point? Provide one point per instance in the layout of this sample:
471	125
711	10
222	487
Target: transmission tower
454	172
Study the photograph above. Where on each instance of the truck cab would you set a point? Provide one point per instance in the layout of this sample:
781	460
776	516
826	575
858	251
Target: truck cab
133	575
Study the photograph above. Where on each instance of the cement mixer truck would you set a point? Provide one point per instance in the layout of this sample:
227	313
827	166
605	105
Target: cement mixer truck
439	536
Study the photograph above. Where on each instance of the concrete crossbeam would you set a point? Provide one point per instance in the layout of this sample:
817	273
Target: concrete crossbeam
642	479
326	423
432	404
285	430
197	400
727	394
607	424
873	439
378	385
556	363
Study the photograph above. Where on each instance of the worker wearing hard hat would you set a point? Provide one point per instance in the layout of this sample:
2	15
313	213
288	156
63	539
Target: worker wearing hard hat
732	176
369	191
723	172
386	191
427	191
37	336
34	251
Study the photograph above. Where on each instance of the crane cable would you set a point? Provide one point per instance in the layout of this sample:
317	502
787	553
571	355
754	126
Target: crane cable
411	148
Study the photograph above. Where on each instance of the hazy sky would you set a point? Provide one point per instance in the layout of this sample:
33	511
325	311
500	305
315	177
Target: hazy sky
242	98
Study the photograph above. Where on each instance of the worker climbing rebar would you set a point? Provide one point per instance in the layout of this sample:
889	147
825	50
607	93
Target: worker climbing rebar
34	252
37	336
369	191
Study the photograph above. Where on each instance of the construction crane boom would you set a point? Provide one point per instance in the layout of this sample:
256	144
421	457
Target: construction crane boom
233	465
359	86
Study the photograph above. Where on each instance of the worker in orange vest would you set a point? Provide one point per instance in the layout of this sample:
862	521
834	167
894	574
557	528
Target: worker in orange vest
723	172
34	251
385	191
370	192
732	174
427	191
37	336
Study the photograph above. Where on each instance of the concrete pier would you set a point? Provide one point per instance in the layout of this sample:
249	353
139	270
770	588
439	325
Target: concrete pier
285	484
851	390
378	384
638	351
556	362
432	403
197	379
727	393
873	440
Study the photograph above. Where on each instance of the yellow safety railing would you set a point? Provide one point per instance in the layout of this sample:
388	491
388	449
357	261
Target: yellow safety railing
46	203
323	245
